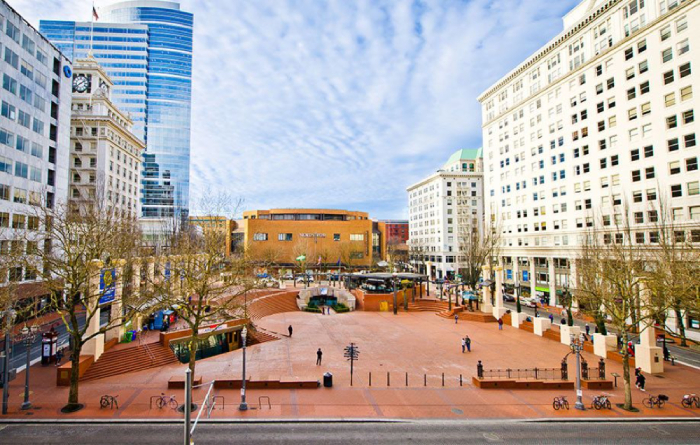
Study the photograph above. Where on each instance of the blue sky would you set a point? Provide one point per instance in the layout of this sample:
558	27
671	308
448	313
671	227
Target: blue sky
340	104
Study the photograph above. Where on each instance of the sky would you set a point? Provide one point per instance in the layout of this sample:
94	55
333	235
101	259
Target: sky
340	103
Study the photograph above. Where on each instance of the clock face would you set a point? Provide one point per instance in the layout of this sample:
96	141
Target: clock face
81	83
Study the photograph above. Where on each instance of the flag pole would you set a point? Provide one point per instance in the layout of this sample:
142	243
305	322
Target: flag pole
92	25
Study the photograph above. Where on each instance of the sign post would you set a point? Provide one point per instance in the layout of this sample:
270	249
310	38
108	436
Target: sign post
352	354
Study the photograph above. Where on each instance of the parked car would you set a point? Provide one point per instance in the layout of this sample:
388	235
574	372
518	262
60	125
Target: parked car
301	279
288	276
529	302
509	297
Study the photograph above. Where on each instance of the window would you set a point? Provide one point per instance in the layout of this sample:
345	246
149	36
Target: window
9	84
671	122
21	170
674	167
689	140
636	176
599	88
670	99
629	53
684	70
643	67
668	77
665	33
691	164
676	191
693	188
639	237
600	107
614	160
632	114
336	237
284	237
694	213
357	237
260	237
604	164
649	173
688	117
648	151
611	103
630	73
12	31
634	154
653	216
644	87
667	55
8	111
683	47
673	144
631	93
11	58
638	217
686	93
611	82
646	108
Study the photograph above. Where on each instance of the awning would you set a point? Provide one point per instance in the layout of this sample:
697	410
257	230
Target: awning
486	283
467	295
542	289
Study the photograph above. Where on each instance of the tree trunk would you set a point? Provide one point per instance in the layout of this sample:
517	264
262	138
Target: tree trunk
74	373
680	325
193	345
626	372
600	323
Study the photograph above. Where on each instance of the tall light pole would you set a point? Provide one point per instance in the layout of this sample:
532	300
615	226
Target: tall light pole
27	335
9	317
576	348
243	406
393	282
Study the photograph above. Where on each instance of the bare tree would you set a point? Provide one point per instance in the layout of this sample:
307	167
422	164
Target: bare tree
477	248
81	243
612	271
203	284
397	255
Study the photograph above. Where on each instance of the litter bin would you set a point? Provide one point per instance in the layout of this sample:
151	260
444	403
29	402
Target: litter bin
328	380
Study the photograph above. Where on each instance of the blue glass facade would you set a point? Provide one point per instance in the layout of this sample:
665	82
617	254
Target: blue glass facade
146	47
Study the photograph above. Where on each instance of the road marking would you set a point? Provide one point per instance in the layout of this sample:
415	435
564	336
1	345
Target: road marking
491	437
659	430
2	427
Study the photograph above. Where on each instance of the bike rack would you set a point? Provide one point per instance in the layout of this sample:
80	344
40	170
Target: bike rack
269	405
150	404
223	401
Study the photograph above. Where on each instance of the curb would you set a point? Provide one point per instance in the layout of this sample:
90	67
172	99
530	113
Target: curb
614	420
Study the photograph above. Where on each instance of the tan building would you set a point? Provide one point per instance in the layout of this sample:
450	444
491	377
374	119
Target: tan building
323	236
232	227
105	162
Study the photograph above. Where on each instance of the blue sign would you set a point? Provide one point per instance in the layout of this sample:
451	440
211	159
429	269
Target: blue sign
108	280
67	71
526	276
509	274
167	271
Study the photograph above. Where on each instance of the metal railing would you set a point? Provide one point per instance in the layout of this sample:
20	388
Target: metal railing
522	374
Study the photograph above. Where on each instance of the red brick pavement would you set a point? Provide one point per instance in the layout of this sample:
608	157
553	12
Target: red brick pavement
415	343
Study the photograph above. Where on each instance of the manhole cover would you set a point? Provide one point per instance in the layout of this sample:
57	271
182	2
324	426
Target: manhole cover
457	411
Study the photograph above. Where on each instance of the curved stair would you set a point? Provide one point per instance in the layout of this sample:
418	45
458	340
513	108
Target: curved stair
272	304
423	305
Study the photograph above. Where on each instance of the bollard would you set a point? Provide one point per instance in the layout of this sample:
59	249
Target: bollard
425	380
406	379
370	379
460	380
443	379
388	380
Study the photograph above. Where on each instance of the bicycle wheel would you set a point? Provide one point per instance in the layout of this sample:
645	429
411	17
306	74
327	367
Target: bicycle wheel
104	402
172	403
566	404
648	402
661	403
160	403
687	403
555	405
608	405
597	405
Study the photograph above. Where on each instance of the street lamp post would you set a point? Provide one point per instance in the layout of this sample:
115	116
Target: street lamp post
393	282
576	348
243	406
27	335
9	316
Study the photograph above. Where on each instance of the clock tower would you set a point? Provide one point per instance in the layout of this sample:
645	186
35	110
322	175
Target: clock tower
90	79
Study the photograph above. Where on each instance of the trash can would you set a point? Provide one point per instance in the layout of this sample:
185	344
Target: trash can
328	380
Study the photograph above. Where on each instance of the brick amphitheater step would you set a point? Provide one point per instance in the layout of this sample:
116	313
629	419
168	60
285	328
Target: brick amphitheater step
123	361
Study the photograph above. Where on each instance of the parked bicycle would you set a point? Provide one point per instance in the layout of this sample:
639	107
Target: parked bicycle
659	401
689	400
107	400
600	402
164	401
560	403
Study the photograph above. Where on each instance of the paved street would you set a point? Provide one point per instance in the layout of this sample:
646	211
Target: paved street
417	432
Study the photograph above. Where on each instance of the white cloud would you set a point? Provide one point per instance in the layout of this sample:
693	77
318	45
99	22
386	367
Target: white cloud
343	104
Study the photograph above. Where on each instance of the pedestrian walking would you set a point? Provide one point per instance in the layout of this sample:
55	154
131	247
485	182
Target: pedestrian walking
468	341
319	356
500	324
59	357
464	344
537	314
290	330
588	329
551	318
456	318
641	380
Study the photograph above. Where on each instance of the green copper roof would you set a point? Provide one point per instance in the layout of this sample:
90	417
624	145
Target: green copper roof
465	153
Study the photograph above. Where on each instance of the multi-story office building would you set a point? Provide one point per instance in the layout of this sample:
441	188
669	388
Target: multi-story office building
441	207
146	48
601	119
396	231
34	138
323	236
106	157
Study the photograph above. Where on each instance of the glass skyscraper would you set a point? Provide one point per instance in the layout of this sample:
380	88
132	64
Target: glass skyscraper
146	48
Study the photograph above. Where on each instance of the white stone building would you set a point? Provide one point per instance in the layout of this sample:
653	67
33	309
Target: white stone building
106	156
34	138
601	117
439	207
